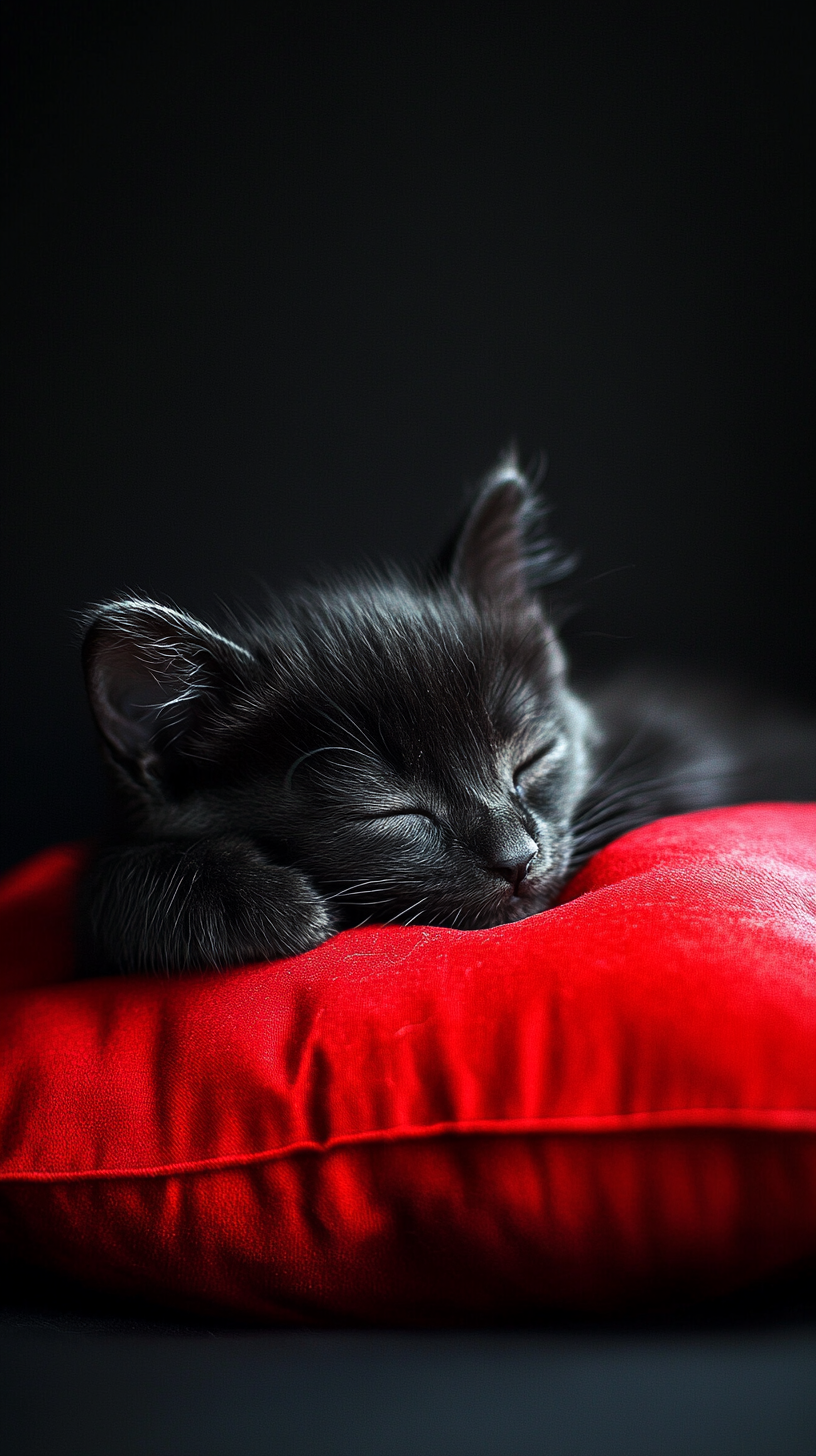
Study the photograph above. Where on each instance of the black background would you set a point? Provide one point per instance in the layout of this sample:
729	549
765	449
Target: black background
284	279
281	281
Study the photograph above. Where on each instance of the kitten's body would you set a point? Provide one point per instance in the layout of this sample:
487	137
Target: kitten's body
383	750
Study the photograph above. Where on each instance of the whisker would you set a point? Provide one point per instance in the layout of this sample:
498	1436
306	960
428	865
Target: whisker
610	768
360	885
395	919
422	905
639	788
329	748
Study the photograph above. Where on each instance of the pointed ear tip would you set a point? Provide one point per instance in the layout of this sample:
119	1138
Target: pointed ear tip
137	630
111	632
507	474
508	470
115	615
132	619
512	489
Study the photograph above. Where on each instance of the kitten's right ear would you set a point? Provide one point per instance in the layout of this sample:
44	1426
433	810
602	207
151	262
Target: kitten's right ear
499	555
151	674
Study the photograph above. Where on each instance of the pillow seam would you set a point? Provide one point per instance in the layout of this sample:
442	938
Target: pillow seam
801	1121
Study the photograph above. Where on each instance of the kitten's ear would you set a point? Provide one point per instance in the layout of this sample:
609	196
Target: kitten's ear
496	556
151	673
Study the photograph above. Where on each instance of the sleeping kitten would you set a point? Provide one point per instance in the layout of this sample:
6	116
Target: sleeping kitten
381	750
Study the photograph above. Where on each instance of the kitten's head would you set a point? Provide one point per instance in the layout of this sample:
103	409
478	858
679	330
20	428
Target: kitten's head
412	746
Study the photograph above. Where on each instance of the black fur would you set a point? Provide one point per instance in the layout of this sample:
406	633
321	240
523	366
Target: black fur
379	750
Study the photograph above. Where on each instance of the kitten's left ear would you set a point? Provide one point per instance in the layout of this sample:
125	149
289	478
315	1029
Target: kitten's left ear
155	679
496	557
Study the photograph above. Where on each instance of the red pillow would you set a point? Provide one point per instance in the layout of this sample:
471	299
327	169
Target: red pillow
610	1103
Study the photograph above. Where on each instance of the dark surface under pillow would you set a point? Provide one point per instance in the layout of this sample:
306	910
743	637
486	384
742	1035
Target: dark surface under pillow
85	1373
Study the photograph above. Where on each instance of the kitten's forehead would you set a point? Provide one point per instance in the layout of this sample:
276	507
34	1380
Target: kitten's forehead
428	676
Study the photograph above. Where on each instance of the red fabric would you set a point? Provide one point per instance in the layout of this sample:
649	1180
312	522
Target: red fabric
609	1103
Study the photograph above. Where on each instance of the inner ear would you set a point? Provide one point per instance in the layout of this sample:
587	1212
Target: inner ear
489	557
151	674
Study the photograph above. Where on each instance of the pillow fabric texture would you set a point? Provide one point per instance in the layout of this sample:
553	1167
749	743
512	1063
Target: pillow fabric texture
608	1105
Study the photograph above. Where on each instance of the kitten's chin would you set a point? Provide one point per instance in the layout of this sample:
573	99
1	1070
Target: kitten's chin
533	897
521	909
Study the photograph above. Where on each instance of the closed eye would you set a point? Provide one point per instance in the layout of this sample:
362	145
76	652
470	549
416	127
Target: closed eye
542	758
409	812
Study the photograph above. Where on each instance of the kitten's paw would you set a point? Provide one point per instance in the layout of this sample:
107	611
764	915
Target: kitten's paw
194	905
271	910
299	918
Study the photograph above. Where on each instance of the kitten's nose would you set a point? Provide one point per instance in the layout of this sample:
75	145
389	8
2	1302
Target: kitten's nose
513	866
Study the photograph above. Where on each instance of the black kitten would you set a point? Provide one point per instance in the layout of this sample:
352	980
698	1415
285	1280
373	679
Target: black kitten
381	750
